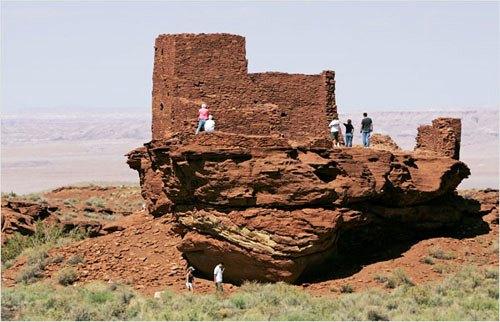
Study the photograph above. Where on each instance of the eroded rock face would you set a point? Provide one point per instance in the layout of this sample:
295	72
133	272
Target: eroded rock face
271	210
20	216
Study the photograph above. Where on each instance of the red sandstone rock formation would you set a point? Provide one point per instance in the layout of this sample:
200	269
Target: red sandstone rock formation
267	194
383	142
20	216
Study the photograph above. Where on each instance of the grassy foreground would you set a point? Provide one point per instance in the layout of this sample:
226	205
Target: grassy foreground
471	294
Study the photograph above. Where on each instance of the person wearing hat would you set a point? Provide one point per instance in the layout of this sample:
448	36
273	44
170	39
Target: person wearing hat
190	278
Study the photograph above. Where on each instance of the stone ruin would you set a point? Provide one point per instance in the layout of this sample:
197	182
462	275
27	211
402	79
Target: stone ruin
267	193
194	69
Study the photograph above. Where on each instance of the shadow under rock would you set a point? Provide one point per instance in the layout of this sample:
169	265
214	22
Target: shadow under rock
361	246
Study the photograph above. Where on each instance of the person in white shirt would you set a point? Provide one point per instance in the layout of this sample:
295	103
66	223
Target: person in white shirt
190	278
218	271
334	131
210	124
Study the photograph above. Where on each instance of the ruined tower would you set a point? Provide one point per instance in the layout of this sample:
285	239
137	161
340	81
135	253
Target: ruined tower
191	69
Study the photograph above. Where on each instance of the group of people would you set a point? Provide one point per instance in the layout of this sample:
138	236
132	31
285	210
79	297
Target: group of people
366	129
218	272
205	120
206	123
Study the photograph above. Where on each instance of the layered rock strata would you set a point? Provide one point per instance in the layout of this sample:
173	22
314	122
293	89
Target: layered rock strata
271	210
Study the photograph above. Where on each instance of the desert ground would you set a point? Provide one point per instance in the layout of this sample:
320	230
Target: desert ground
114	273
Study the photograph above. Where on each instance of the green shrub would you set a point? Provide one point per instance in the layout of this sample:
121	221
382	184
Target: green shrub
75	260
9	195
376	315
494	247
29	274
66	276
440	254
346	288
427	260
96	202
70	201
398	277
56	259
440	268
45	236
35	197
402	278
491	273
35	265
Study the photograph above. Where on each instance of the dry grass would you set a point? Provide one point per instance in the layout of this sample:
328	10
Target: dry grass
471	294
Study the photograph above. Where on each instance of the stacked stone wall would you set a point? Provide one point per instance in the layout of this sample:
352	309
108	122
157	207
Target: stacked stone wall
442	137
192	69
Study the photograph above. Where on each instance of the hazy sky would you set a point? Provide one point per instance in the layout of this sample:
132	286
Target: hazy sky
402	55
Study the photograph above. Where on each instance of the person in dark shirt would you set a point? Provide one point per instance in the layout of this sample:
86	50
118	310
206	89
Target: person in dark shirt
366	129
349	129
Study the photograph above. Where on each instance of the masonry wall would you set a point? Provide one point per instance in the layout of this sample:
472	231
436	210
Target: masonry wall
442	137
212	68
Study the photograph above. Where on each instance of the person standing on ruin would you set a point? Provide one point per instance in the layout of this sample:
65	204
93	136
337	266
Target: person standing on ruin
218	271
334	131
210	124
202	117
190	278
366	129
349	131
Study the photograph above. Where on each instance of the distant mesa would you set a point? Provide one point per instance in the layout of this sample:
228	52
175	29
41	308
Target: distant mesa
267	193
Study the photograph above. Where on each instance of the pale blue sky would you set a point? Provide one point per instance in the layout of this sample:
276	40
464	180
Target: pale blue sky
387	55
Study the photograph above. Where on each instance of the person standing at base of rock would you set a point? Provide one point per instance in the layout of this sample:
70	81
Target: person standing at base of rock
334	131
218	271
366	129
202	118
210	124
190	278
349	131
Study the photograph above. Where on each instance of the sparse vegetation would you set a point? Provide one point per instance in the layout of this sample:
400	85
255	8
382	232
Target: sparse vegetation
346	288
96	202
440	268
70	201
9	195
43	237
438	253
75	260
427	260
467	295
397	278
35	197
66	276
494	247
35	265
91	215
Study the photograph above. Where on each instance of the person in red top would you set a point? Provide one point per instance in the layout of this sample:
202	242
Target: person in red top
202	117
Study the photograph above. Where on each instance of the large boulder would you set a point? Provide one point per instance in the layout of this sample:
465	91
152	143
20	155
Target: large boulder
271	209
